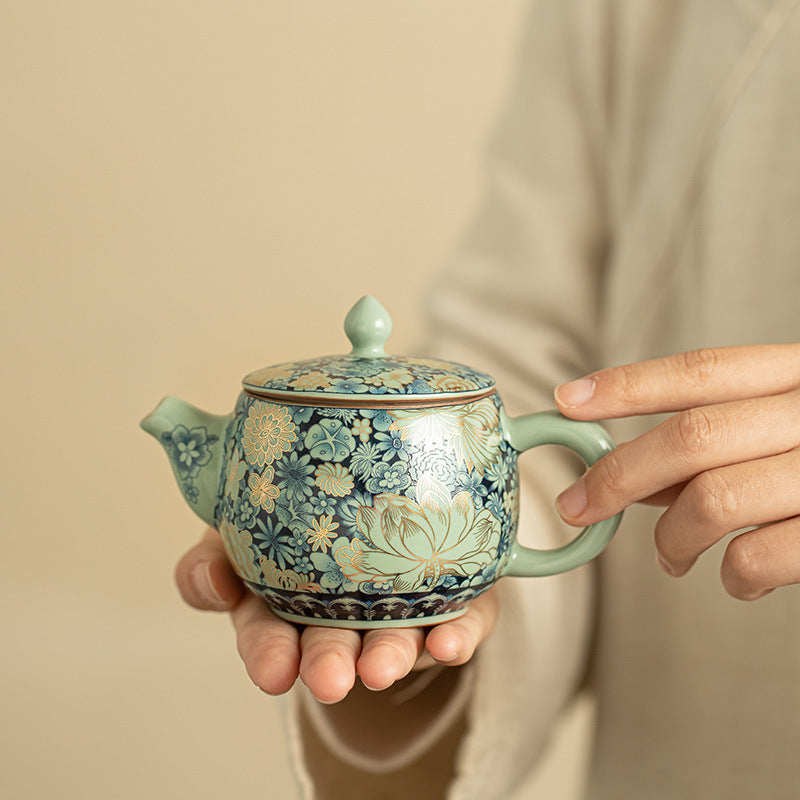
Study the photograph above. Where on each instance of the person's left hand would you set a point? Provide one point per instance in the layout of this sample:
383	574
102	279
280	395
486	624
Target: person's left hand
328	660
728	460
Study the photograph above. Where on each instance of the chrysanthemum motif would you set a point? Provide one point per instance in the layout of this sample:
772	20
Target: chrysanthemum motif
334	479
262	491
268	433
322	531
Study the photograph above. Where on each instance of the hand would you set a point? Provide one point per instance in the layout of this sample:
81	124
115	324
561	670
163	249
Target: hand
327	660
728	460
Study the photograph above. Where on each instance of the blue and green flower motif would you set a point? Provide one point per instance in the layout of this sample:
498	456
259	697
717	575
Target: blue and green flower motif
189	449
295	477
368	514
348	375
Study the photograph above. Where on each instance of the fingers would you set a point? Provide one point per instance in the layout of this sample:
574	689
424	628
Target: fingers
328	663
275	653
682	447
696	378
454	643
327	660
759	561
331	658
205	578
724	462
389	655
724	500
269	646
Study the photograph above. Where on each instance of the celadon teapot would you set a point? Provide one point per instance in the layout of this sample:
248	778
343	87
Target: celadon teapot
368	490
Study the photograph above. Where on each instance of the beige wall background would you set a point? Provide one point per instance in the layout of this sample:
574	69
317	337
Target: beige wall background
191	190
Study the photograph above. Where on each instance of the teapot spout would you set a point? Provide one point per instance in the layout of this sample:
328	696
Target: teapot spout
194	441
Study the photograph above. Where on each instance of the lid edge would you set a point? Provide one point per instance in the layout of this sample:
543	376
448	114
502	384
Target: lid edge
323	400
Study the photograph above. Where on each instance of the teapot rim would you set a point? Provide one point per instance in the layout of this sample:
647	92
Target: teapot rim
323	400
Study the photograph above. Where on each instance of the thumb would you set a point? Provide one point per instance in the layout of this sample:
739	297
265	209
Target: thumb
205	578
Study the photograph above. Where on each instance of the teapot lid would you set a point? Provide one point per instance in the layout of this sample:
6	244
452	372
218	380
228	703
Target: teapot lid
367	375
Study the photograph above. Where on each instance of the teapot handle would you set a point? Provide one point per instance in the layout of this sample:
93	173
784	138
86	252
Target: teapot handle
591	442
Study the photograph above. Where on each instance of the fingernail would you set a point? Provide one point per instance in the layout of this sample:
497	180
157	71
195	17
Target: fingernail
201	577
575	393
571	502
449	658
668	568
377	688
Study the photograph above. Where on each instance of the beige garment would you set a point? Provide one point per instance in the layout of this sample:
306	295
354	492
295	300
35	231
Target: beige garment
643	199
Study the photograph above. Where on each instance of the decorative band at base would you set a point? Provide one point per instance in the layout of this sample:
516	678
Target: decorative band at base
367	611
363	624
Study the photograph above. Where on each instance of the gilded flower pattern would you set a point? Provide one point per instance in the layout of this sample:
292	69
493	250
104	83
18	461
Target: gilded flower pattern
262	491
337	512
353	375
239	545
334	479
310	381
268	432
414	544
321	532
394	378
285	578
471	429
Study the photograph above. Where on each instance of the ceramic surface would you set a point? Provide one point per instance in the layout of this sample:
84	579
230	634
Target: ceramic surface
390	375
367	514
347	510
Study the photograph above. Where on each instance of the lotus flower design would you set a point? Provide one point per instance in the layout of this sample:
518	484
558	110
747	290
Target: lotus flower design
414	544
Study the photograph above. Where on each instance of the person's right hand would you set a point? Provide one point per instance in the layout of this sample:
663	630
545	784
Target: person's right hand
327	660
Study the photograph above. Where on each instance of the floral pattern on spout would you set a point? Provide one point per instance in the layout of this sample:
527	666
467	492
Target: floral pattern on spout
361	515
189	450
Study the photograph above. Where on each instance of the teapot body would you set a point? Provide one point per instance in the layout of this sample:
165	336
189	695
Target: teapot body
369	490
393	515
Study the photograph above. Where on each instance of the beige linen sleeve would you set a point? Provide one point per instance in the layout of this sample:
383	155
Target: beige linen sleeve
520	299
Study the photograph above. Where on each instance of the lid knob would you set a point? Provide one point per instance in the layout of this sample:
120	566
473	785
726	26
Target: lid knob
368	326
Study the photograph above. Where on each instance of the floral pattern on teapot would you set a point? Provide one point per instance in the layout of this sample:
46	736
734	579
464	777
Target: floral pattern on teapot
342	513
364	376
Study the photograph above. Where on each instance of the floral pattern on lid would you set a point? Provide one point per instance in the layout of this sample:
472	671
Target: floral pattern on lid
368	370
349	375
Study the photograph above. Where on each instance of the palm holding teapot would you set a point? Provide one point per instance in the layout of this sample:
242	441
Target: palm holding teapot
368	490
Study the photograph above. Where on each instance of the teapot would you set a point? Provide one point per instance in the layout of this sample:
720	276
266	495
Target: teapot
368	490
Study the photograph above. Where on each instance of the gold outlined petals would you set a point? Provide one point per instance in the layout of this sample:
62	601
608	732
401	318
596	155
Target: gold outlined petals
268	433
334	479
